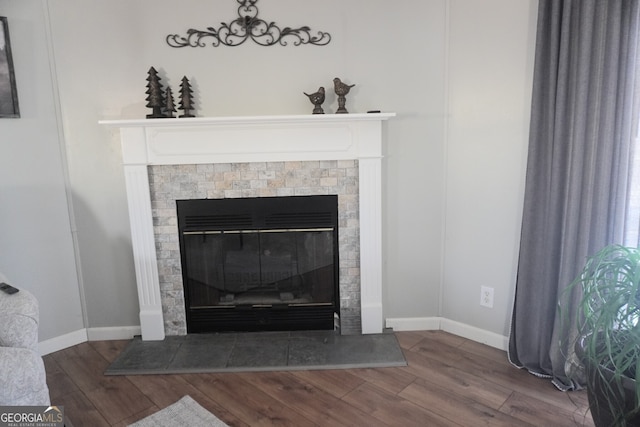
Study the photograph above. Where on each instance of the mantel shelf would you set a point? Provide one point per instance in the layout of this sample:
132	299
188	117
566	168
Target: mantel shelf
247	120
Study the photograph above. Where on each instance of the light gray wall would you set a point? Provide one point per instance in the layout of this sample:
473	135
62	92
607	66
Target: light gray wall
36	240
456	72
491	47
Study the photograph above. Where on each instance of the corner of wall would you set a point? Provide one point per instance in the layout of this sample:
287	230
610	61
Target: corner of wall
88	334
456	328
63	341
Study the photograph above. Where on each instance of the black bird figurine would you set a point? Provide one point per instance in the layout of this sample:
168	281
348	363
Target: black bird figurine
341	90
317	98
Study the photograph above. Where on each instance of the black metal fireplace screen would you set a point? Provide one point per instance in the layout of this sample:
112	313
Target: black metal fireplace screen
259	264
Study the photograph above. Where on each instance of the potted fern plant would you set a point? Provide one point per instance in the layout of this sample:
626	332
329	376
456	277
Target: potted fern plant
609	334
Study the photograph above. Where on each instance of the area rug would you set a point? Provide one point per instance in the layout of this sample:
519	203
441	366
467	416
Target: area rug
185	412
261	351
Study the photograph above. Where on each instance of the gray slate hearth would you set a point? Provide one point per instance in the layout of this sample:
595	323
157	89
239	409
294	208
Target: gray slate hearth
261	351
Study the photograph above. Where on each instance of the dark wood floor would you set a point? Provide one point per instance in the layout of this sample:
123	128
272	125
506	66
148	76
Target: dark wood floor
450	381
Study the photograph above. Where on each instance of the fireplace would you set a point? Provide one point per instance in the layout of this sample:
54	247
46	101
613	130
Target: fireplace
264	145
259	264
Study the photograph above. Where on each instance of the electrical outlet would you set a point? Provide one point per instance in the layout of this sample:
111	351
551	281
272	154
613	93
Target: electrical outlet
486	296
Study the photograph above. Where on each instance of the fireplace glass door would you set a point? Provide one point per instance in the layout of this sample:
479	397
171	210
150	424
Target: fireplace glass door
253	267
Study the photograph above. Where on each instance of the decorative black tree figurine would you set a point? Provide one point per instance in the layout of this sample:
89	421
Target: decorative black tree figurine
155	98
317	99
341	90
186	98
169	105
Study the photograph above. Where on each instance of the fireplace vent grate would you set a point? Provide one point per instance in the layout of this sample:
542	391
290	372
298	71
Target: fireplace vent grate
299	219
257	213
218	222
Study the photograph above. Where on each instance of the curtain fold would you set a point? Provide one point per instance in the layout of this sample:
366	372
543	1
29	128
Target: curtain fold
583	127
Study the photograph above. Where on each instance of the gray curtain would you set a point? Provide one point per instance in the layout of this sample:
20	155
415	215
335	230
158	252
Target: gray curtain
583	126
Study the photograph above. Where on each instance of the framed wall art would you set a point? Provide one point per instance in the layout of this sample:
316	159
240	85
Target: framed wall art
8	91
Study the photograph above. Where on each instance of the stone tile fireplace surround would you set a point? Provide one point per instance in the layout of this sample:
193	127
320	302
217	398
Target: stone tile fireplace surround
263	156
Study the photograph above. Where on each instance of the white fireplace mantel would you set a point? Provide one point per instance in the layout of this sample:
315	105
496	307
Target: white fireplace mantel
252	139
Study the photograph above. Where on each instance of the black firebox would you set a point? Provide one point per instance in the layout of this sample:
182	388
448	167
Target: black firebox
259	264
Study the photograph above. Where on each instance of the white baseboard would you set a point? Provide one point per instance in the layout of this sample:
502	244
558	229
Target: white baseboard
83	335
440	323
113	333
475	334
63	341
414	323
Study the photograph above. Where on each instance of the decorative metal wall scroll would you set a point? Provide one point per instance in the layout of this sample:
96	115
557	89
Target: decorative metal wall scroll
249	26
